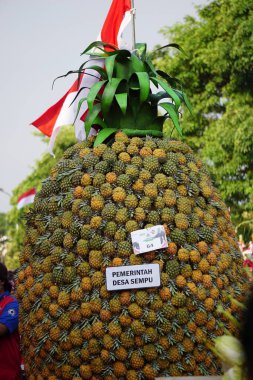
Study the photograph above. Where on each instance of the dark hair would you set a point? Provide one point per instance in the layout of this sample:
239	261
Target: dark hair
246	334
12	279
4	277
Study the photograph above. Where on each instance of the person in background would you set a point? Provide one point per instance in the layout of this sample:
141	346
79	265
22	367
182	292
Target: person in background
251	245
10	357
241	243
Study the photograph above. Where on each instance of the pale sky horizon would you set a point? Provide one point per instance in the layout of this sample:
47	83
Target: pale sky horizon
42	40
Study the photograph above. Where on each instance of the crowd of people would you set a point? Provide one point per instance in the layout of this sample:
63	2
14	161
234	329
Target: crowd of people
247	252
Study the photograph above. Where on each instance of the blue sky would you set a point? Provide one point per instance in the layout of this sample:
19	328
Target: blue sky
41	40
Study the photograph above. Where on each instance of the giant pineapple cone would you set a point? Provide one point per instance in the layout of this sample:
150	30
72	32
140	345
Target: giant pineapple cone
71	326
75	232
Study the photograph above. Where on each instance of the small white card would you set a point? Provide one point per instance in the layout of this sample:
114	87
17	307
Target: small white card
149	239
133	277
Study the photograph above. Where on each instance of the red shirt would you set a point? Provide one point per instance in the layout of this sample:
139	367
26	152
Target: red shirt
10	357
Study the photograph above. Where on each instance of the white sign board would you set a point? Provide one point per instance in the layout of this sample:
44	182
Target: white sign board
149	239
133	277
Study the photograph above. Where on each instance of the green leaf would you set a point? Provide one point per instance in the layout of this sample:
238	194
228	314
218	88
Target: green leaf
79	71
91	118
123	55
176	46
157	123
179	94
155	98
169	91
184	99
170	80
187	102
109	64
108	94
97	45
77	94
141	48
134	83
101	71
122	101
103	134
144	85
115	116
150	67
123	69
65	75
78	107
170	109
93	93
144	116
82	67
137	64
100	122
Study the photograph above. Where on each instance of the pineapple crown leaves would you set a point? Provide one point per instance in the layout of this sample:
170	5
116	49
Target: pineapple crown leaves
123	100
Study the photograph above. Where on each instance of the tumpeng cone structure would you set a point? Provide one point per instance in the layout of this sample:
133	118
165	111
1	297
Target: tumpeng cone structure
128	178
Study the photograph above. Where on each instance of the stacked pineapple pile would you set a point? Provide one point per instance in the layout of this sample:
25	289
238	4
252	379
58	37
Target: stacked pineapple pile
72	327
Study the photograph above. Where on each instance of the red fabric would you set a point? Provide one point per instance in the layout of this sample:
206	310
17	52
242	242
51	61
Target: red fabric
109	33
10	357
45	123
248	263
110	29
27	193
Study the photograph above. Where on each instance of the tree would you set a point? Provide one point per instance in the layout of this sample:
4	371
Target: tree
41	170
3	224
217	73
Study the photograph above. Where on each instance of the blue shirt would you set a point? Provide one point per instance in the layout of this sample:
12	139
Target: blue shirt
9	316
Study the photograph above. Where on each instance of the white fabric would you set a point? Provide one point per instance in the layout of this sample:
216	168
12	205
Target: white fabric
127	18
69	111
25	201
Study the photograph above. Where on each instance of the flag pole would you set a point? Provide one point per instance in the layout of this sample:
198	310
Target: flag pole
133	25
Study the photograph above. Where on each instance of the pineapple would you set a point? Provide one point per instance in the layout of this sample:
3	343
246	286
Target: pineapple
96	196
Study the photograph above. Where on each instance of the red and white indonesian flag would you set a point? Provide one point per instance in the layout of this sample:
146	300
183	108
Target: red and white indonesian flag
26	198
64	111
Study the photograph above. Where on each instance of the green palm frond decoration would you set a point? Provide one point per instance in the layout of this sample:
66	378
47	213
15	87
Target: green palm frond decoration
123	98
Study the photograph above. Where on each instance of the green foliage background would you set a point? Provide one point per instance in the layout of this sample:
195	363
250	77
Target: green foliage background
217	74
41	171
